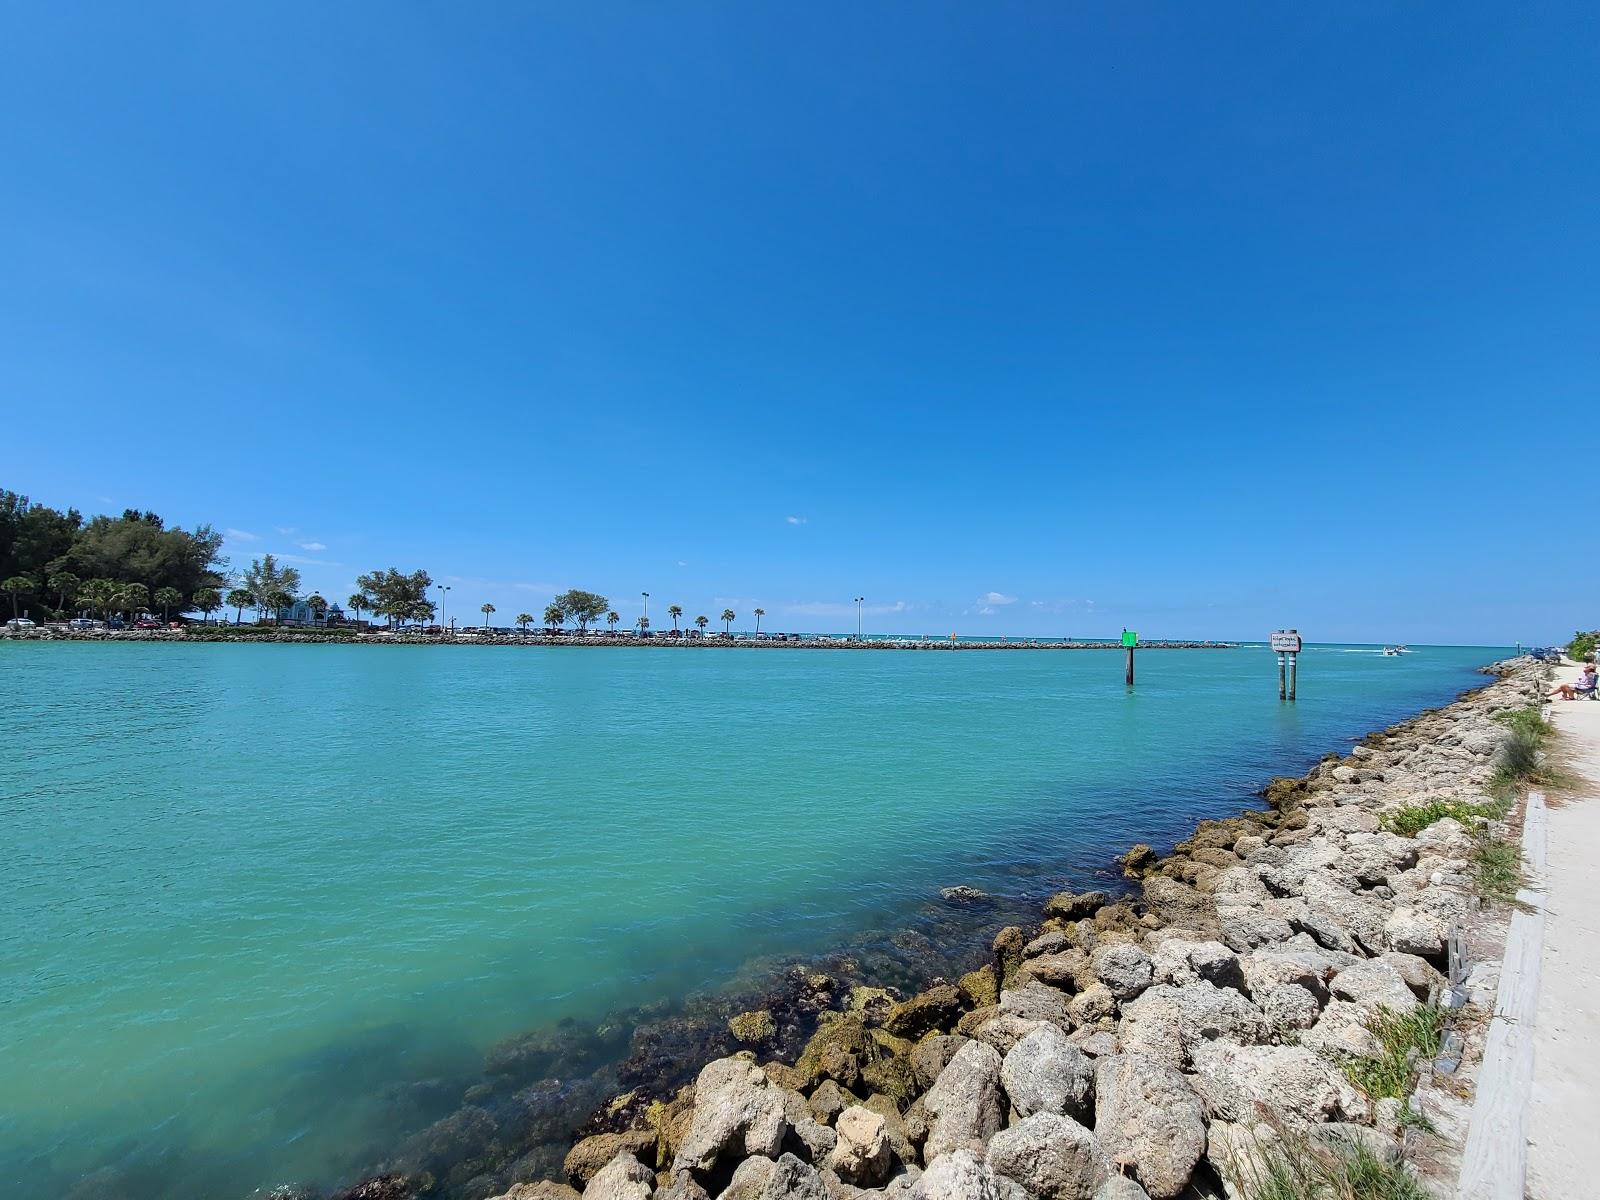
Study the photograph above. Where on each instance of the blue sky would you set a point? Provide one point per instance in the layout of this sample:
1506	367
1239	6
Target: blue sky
1015	318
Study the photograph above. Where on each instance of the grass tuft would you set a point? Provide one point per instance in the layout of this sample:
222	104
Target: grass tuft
1414	818
1405	1040
1298	1166
1497	869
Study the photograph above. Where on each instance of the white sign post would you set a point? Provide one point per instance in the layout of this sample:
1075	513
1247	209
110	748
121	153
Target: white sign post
1286	642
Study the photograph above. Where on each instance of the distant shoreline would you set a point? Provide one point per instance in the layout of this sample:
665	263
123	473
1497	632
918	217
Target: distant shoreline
251	634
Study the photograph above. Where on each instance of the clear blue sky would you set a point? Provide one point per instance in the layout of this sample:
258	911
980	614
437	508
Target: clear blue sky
1014	318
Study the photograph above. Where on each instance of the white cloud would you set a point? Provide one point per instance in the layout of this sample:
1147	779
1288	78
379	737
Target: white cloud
312	546
795	520
994	598
681	563
240	535
303	561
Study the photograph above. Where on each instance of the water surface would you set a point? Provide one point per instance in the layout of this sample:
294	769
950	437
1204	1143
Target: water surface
253	893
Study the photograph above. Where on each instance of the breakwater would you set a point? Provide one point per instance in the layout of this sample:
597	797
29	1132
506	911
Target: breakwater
249	634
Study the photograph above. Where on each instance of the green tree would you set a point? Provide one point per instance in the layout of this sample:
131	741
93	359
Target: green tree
318	606
100	595
582	607
727	620
1581	647
760	612
702	623
486	610
133	598
524	620
278	601
240	599
268	578
207	600
611	619
358	603
18	585
65	585
168	598
674	611
398	596
554	615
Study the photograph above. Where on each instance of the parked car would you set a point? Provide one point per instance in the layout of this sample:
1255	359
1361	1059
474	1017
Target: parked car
147	623
84	624
20	623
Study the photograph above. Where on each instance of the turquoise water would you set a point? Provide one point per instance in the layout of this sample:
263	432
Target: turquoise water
266	906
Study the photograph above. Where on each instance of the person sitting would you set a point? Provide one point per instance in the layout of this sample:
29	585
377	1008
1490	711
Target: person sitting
1584	688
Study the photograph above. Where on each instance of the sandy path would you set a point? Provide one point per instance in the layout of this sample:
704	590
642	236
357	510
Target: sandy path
1564	1112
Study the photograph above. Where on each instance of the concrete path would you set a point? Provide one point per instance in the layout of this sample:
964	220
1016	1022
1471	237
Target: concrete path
1564	1110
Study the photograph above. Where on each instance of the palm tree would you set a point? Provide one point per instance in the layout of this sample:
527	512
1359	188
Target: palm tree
277	602
524	619
132	598
240	599
17	585
207	600
702	623
99	595
644	623
760	612
358	603
318	606
611	619
169	598
726	619
486	609
554	616
65	585
674	611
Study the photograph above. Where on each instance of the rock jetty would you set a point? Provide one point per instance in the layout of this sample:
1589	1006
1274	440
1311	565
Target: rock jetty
1146	1046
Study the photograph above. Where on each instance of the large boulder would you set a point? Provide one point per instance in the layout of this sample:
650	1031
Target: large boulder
1179	905
1243	928
539	1189
1120	1187
1123	967
1046	1073
1372	984
1074	906
1291	1083
937	1008
1414	931
1166	1022
588	1156
1036	1002
963	1105
958	1175
862	1153
623	1178
1067	969
787	1178
738	1112
838	1050
1050	1155
1148	1119
932	1055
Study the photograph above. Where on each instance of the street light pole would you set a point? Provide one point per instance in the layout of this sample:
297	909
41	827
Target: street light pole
443	598
645	621
859	599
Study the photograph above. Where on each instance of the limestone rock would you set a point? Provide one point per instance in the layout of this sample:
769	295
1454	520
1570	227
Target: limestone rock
787	1178
623	1178
1050	1155
1411	931
1373	984
1240	1083
963	1105
1074	906
958	1175
1094	1003
1120	1187
738	1112
1149	1119
1124	969
932	1055
753	1028
588	1156
828	1100
1045	1073
937	1008
1036	1002
861	1155
1068	969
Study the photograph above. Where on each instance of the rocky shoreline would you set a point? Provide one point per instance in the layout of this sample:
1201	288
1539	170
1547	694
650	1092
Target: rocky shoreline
351	637
1152	1042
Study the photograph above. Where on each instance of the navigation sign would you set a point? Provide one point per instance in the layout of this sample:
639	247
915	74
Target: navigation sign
1286	641
1130	639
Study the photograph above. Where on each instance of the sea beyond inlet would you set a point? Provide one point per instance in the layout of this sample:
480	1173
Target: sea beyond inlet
254	894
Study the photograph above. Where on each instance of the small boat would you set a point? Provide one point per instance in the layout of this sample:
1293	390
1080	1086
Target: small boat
1391	652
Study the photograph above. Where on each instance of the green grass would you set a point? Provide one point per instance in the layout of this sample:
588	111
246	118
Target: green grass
1529	718
1414	818
1299	1167
1497	869
1405	1039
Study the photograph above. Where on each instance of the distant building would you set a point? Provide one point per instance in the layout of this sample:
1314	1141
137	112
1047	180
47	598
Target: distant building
300	613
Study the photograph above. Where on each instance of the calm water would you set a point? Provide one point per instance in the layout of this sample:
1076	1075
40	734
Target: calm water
249	890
